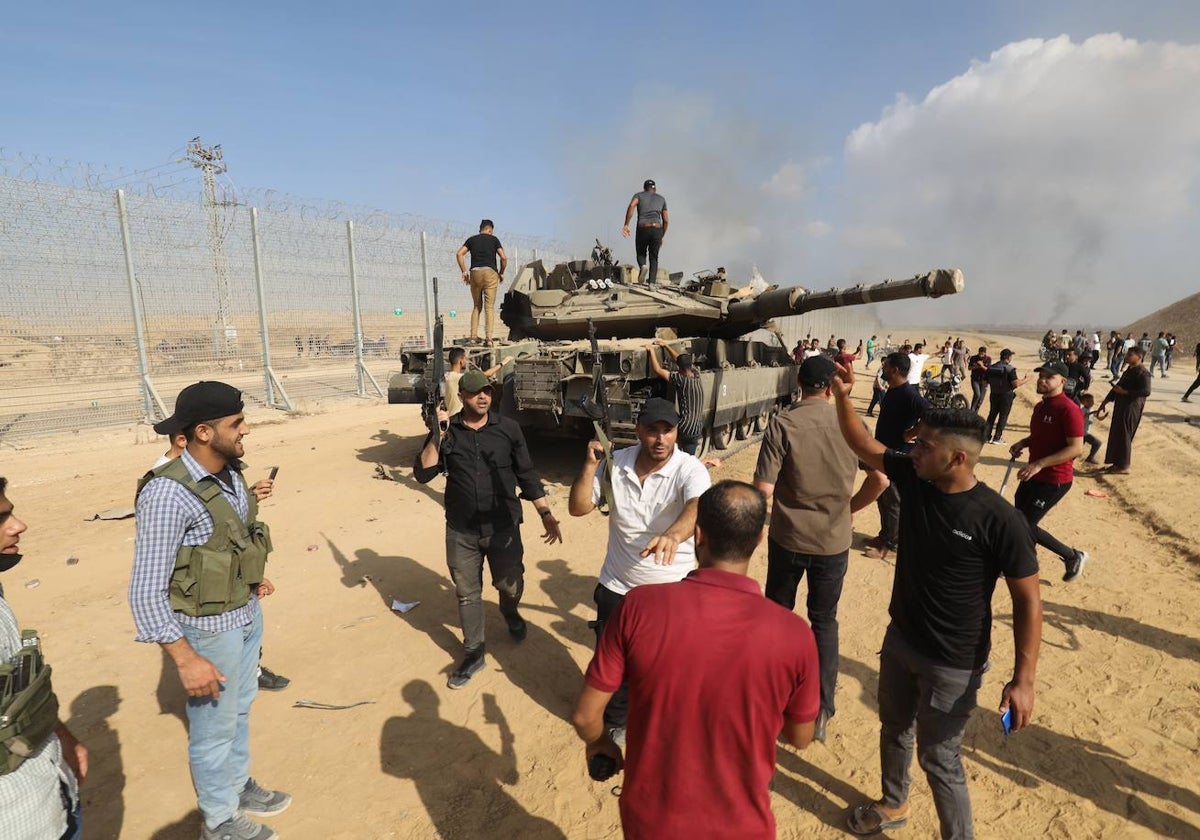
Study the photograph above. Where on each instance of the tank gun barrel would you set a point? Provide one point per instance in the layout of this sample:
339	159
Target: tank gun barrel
778	303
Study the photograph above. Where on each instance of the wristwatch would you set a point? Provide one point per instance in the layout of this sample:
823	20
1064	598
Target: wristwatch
545	513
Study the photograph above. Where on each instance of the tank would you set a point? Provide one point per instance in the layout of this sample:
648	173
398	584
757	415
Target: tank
552	386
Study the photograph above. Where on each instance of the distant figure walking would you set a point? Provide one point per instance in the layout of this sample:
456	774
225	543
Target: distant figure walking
1129	398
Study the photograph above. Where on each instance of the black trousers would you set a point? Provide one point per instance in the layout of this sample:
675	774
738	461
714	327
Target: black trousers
1034	499
647	242
825	575
1193	386
617	710
889	516
997	419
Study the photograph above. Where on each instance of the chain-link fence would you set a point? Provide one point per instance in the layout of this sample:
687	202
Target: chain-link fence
124	287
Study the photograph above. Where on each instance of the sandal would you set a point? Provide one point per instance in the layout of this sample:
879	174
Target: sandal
866	820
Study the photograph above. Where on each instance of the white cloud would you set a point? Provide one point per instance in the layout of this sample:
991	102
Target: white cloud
1054	171
791	180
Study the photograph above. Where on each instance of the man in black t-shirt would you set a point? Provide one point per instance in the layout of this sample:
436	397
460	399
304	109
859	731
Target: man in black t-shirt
899	410
1079	376
483	278
957	536
1003	381
978	365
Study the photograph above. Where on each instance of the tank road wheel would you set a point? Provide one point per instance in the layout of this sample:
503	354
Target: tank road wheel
761	421
959	401
744	428
722	436
702	446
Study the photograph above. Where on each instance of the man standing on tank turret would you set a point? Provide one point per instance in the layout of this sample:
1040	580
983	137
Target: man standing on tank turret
652	222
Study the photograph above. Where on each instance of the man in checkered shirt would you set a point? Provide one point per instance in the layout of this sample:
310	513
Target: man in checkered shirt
39	800
217	655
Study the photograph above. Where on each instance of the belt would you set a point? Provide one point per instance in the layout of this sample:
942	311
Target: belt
649	226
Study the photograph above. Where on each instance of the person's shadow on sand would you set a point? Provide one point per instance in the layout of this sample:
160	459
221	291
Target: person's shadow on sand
104	792
458	777
541	667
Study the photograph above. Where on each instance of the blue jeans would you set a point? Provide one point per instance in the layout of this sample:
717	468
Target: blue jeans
219	730
74	816
825	575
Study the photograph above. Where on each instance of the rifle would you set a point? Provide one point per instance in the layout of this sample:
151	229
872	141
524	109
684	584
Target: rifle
435	398
602	423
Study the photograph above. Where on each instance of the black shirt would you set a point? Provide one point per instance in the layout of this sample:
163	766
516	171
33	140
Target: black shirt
483	248
953	547
899	410
1002	377
978	375
483	469
1079	379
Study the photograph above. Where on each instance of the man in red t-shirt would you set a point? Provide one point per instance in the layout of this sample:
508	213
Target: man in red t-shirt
716	674
844	358
1055	440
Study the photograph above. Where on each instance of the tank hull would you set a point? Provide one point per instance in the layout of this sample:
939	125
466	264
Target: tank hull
548	387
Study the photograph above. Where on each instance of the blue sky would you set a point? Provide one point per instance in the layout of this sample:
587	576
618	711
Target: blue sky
544	116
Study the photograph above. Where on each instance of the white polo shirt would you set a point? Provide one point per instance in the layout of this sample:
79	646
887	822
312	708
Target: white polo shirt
643	511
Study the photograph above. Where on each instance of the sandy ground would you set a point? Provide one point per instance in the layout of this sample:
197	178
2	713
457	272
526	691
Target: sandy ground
1112	753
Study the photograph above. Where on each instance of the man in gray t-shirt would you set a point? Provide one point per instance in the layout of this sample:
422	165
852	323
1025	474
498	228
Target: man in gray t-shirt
652	225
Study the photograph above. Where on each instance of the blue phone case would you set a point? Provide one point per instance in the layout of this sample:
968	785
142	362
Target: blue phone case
1006	721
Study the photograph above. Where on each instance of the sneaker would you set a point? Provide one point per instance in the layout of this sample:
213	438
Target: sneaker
238	828
617	733
471	665
1000	441
518	628
1075	566
260	802
268	680
820	726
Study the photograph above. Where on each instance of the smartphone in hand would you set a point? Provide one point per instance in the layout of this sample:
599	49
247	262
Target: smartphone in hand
274	471
1006	721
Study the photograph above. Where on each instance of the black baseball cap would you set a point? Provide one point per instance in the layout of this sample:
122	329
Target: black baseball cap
200	402
1056	368
648	183
1006	353
657	409
816	371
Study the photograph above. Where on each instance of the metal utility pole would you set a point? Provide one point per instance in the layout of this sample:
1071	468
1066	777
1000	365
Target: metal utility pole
211	163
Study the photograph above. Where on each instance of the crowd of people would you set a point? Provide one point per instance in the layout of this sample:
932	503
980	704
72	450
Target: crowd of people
708	670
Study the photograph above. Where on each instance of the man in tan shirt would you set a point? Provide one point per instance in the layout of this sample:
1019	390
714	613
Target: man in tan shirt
808	470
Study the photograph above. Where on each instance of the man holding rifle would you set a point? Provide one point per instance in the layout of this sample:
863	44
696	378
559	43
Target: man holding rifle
957	536
485	459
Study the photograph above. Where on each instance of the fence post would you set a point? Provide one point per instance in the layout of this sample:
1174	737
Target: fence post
425	287
270	382
360	366
150	398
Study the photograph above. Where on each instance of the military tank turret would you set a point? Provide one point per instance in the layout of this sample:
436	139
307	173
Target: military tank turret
551	386
556	304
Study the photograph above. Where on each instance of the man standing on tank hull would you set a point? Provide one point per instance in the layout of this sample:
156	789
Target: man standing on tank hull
652	222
